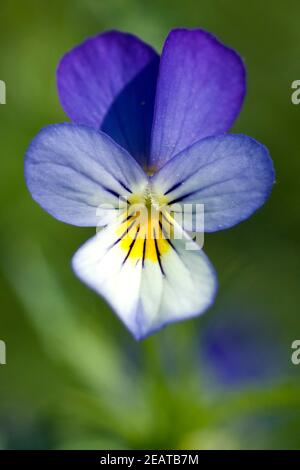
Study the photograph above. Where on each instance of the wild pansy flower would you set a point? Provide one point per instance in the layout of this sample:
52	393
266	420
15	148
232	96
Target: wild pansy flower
149	130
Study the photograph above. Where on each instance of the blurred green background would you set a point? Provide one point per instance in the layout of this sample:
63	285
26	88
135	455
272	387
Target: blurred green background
74	378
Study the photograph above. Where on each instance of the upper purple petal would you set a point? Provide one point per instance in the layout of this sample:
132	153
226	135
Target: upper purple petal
200	91
108	83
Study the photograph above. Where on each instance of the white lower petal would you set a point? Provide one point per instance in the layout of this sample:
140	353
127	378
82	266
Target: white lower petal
147	294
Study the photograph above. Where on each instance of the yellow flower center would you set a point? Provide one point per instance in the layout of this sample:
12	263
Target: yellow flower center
145	227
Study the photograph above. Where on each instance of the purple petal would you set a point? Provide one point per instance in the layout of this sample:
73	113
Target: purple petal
200	91
232	175
239	347
77	174
108	83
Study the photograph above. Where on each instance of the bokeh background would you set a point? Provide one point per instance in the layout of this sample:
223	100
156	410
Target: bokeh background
75	379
